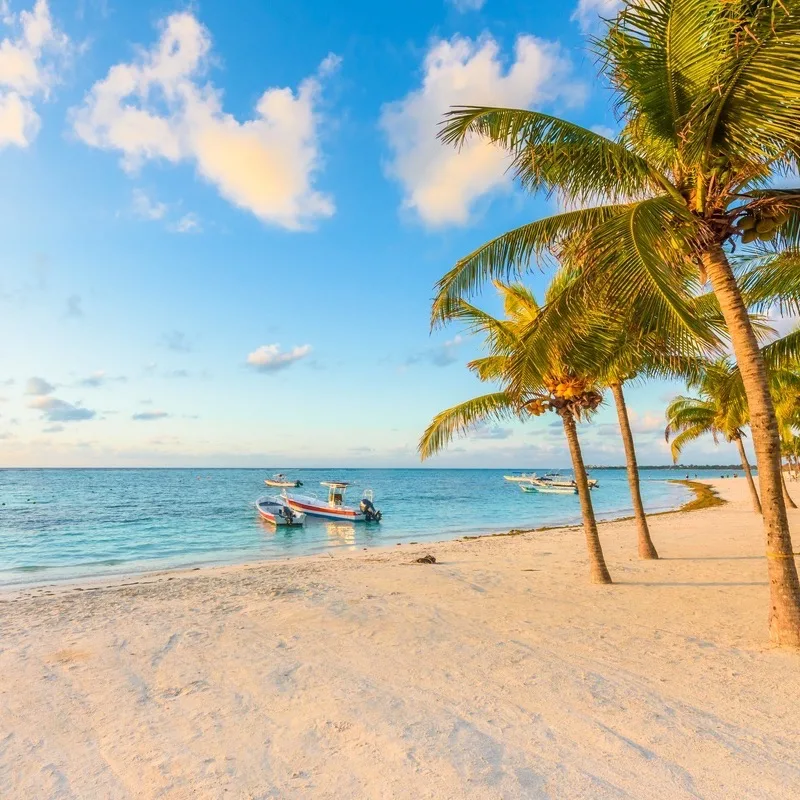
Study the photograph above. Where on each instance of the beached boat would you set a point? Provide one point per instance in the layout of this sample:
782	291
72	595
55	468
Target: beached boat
281	481
545	487
334	507
277	511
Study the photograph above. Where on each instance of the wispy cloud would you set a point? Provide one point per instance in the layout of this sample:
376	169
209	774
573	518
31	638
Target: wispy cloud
99	378
74	307
491	432
442	355
55	410
177	341
39	386
29	58
589	13
441	184
467	5
161	106
270	358
188	223
149	416
145	208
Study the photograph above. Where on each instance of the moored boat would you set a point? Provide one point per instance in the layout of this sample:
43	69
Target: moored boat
520	477
277	511
334	507
282	481
546	487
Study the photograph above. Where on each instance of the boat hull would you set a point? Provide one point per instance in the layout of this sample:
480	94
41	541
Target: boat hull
283	484
318	508
550	489
270	512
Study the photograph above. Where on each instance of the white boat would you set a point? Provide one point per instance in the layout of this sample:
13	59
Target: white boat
276	511
521	477
557	479
334	507
544	487
280	480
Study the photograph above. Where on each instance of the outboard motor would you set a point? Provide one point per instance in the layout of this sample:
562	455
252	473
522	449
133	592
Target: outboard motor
371	514
288	514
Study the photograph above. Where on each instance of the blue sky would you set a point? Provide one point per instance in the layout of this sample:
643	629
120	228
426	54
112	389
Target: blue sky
221	225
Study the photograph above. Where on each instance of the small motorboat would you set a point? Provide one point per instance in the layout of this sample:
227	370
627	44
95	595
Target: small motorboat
281	481
545	487
277	511
520	477
334	507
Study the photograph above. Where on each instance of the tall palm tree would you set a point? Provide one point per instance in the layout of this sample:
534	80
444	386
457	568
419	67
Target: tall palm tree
557	387
715	413
710	100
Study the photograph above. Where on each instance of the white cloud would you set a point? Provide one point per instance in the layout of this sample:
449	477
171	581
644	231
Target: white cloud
440	355
441	183
161	107
589	12
486	431
467	5
39	386
99	378
188	223
269	358
28	61
150	416
145	208
55	410
177	341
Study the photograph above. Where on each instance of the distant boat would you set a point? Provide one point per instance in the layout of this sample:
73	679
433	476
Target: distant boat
521	477
546	487
281	480
277	511
334	507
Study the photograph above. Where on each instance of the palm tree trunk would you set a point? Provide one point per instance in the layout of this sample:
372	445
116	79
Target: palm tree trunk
597	564
749	475
647	549
784	619
786	496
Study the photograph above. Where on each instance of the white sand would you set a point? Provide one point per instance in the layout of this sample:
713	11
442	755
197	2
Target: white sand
498	673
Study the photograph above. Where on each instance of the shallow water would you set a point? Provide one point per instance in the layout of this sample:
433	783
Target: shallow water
65	524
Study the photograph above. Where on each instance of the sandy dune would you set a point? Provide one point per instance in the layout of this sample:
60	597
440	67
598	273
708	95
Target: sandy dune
497	673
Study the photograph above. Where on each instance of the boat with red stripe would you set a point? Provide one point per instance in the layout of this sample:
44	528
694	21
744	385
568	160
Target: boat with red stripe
277	511
334	507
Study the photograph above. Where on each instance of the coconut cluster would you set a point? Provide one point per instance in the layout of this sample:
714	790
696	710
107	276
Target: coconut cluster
761	226
566	393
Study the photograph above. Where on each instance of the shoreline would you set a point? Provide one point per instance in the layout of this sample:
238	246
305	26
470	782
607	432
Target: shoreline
500	670
116	578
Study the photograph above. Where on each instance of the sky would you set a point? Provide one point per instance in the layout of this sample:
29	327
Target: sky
221	225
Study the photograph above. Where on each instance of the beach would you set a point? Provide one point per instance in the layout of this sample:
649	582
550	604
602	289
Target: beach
498	672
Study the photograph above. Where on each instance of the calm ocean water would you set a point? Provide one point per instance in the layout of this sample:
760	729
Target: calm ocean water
64	524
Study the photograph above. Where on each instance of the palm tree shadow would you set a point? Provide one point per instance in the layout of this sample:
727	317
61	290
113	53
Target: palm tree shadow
714	558
692	583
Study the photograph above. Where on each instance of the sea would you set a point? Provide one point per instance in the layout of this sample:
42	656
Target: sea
67	524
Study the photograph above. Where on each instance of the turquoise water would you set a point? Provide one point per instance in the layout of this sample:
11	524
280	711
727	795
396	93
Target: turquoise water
65	524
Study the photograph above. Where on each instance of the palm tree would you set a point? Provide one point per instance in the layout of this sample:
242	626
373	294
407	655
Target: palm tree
715	413
710	100
557	387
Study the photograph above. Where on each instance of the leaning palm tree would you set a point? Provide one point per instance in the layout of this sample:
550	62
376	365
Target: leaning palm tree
714	412
710	101
557	387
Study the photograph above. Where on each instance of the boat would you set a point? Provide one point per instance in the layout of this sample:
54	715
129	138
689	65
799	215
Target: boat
520	478
334	507
277	511
545	487
281	481
560	480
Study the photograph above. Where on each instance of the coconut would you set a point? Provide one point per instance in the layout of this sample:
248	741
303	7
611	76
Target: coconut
766	225
747	223
749	236
766	236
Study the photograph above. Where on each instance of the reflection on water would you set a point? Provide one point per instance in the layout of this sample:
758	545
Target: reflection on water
344	532
68	523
